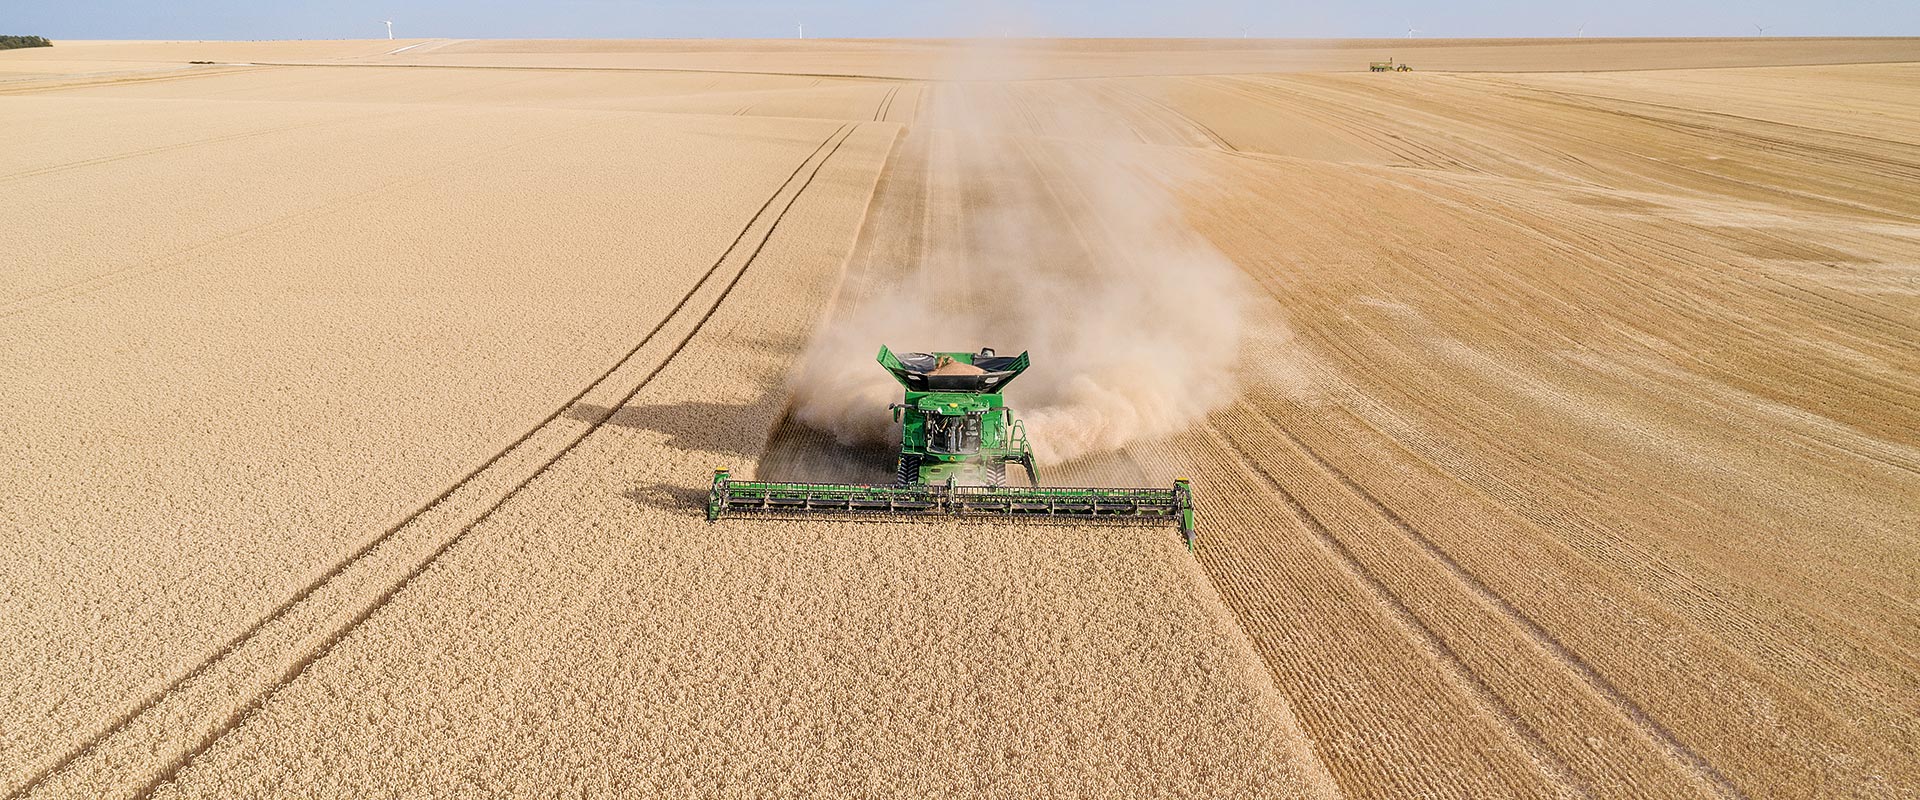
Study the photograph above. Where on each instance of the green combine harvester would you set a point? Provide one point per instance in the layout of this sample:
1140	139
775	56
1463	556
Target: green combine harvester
956	439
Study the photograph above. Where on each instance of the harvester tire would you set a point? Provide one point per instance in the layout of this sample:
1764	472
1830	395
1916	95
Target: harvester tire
908	473
997	474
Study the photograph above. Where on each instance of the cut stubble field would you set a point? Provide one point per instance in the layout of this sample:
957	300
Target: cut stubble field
364	403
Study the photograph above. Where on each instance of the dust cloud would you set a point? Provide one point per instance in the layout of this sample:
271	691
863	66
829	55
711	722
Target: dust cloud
1049	228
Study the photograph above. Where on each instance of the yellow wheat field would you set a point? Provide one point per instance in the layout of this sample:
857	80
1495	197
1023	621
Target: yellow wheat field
362	397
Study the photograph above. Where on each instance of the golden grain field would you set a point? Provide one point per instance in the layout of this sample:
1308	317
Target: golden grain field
1553	412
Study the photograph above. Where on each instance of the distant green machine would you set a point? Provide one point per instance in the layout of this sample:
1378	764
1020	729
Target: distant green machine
956	439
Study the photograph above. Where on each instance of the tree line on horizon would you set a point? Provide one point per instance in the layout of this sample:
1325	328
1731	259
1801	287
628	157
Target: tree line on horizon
11	42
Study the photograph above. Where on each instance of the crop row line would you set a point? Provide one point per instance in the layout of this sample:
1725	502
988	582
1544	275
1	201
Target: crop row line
1396	608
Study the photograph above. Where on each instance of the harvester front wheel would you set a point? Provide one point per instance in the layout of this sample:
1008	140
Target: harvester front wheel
997	474
908	473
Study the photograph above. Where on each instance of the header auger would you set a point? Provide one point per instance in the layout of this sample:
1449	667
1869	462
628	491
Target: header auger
956	439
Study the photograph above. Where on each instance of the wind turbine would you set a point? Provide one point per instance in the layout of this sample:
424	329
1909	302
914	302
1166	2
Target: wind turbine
1582	33
389	29
1762	29
1411	30
803	30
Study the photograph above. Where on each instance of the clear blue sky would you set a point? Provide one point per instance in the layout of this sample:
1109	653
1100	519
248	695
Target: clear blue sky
266	19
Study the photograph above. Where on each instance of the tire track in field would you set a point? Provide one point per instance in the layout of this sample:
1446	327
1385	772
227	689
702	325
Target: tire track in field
58	83
521	458
792	450
886	105
1597	683
300	667
1219	141
919	99
1819	187
1425	638
1361	128
1705	319
1363	690
1591	99
1173	128
1670	581
1806	143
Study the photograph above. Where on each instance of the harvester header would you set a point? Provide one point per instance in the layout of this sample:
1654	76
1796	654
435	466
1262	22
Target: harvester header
956	439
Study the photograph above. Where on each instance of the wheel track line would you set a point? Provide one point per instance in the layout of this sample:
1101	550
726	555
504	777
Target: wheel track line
849	291
1663	580
1863	317
1587	347
1111	99
300	667
1750	129
1205	129
1424	637
1331	704
1291	97
886	105
1692	761
920	91
1173	123
1729	373
1425	129
1611	228
1722	621
124	79
1590	99
466	479
1757	145
1432	107
285	608
1629	269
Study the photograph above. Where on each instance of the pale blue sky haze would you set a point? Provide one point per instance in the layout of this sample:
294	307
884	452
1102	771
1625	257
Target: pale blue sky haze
254	19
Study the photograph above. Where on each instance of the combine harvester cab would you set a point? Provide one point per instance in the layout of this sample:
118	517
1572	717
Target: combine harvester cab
956	439
954	425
